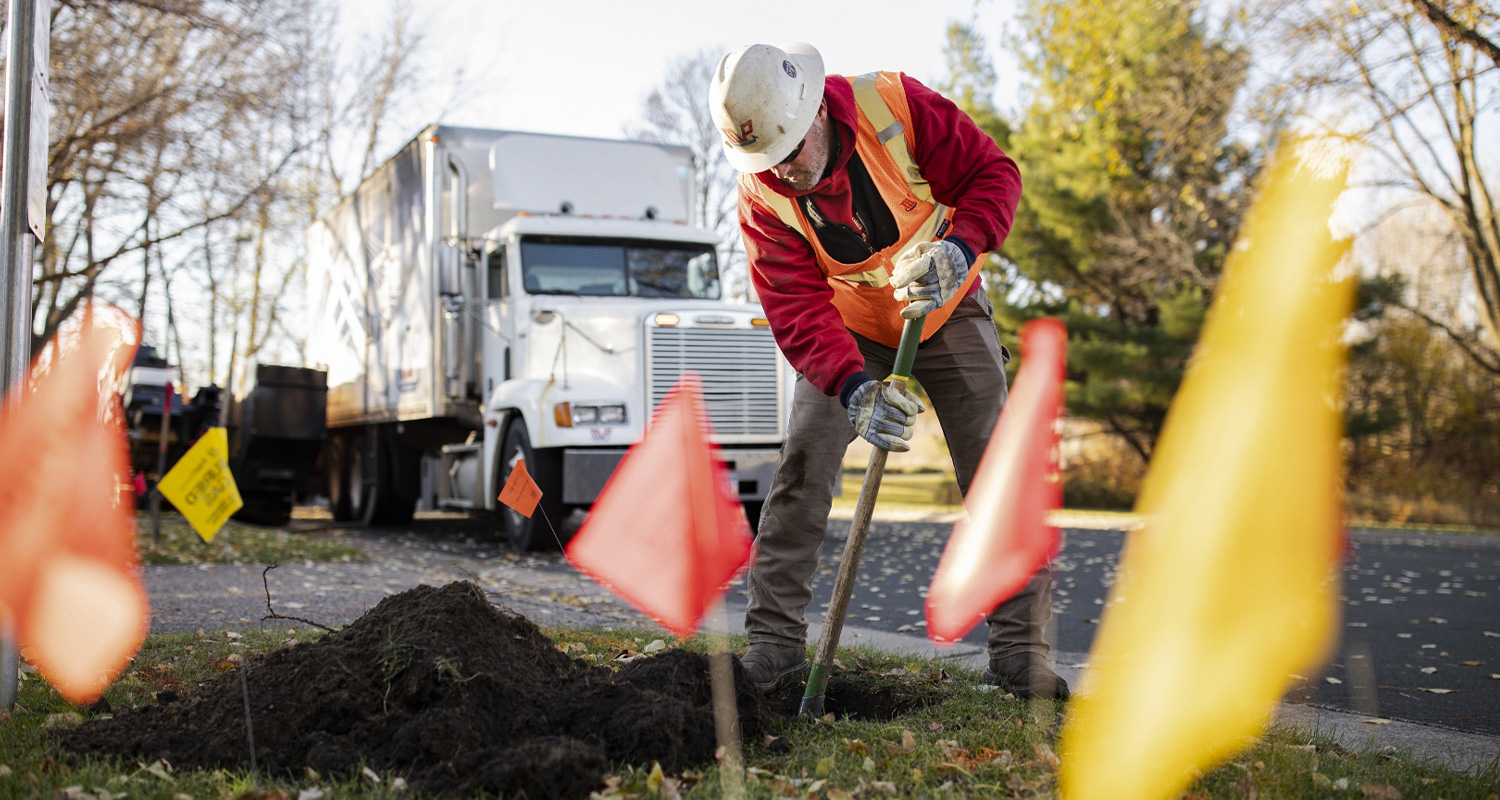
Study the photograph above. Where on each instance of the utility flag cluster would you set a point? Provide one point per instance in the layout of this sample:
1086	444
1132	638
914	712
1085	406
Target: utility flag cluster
1006	538
68	568
667	534
1231	586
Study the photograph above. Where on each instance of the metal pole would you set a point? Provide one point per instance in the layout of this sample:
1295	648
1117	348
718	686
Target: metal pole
16	247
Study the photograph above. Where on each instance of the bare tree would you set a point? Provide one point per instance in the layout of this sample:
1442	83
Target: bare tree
1415	81
152	103
676	112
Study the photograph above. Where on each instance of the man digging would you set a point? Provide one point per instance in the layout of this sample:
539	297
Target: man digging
864	201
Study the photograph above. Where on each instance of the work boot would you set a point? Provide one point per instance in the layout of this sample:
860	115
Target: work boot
1026	675
767	664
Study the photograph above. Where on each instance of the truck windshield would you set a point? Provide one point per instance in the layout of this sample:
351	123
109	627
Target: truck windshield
618	268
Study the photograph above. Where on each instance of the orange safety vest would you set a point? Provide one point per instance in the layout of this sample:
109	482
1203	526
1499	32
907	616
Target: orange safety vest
862	292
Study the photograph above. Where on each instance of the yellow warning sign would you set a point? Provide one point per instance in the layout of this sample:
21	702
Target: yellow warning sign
200	485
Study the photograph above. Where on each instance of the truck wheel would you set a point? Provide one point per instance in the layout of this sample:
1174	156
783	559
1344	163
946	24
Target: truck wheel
752	513
336	472
265	508
383	481
401	482
545	468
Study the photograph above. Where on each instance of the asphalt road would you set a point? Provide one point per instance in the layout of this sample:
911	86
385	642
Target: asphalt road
1421	613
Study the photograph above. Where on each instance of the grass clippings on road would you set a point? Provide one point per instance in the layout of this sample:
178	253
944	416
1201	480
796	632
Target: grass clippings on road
235	543
969	743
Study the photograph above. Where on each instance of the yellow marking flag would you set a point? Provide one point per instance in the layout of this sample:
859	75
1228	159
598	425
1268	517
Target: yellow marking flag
200	485
1232	583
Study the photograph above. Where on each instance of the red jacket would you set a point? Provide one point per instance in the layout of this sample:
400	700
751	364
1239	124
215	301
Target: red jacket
966	170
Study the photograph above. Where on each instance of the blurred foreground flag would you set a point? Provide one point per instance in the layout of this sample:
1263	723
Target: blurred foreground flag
1231	585
989	558
666	534
68	569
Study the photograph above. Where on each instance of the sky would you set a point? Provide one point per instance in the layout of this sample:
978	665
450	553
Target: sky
586	67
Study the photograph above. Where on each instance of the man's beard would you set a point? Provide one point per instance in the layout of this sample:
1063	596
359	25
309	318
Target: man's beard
801	180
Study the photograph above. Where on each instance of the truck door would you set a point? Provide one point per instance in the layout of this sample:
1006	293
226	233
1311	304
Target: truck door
497	322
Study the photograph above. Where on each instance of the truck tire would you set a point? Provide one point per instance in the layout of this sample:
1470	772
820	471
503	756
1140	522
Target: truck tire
752	513
534	533
336	473
265	508
401	485
383	481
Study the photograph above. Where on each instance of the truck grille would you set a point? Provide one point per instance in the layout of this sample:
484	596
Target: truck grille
737	367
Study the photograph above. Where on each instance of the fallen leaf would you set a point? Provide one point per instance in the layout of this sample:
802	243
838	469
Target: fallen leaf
816	786
1471	663
370	773
1428	670
653	781
1492	634
310	794
883	786
856	747
669	789
839	794
1376	721
1379	791
65	719
1434	691
1306	748
1438	620
1322	781
1333	680
869	764
656	646
1341	784
934	726
824	769
1045	755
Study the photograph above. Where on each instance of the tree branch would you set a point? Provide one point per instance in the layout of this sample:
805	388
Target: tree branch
1452	27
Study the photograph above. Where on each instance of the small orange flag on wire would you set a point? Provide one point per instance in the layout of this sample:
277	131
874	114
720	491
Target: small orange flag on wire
520	491
666	534
1231	586
1006	538
68	567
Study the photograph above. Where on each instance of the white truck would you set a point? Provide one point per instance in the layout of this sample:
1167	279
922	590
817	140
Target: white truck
489	296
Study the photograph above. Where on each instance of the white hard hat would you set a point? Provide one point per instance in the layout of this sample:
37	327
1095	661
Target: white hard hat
764	100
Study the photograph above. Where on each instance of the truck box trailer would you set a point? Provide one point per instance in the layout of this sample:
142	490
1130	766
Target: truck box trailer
488	296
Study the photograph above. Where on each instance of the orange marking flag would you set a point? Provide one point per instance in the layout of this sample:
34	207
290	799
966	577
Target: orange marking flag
1006	538
520	491
68	567
667	533
1232	585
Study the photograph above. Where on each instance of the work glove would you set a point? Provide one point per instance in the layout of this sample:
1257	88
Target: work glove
928	275
884	415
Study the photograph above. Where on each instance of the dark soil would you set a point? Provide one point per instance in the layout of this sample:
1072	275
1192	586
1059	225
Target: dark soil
461	697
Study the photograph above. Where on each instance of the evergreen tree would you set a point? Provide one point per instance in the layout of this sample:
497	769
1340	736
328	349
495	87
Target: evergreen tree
1134	188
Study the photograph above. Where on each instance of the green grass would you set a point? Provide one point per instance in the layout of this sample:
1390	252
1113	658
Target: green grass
971	744
235	543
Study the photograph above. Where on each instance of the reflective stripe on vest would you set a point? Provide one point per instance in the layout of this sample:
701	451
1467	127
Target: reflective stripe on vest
882	140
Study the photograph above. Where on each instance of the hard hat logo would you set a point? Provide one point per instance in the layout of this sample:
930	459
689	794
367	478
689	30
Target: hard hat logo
744	138
791	71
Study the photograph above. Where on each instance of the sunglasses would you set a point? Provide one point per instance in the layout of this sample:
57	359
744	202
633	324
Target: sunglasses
792	156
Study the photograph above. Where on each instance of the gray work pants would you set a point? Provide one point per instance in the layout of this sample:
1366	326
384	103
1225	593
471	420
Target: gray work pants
962	370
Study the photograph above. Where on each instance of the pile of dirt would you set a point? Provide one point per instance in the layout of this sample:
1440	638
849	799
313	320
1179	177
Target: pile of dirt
453	692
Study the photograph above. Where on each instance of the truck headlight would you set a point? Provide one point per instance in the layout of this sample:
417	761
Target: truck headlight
569	415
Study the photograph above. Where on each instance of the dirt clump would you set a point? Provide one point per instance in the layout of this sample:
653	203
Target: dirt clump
448	689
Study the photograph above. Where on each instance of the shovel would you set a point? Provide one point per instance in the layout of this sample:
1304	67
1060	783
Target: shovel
843	586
